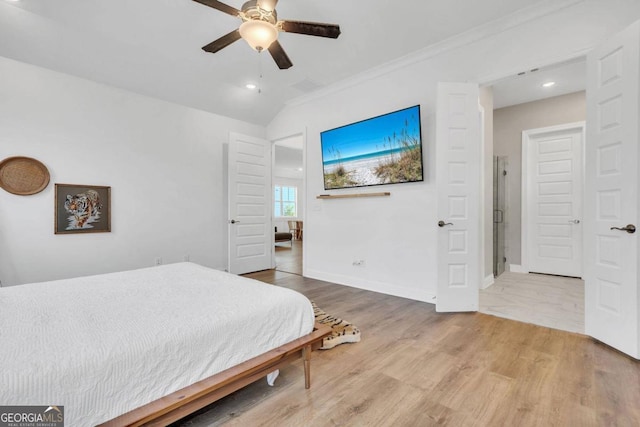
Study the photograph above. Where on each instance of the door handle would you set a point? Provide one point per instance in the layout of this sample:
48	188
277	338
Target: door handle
233	221
574	221
630	228
442	223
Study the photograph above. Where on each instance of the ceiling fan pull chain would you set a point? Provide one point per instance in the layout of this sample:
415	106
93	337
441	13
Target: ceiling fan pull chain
260	72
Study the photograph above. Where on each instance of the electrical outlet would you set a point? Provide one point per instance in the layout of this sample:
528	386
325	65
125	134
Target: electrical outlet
186	258
158	261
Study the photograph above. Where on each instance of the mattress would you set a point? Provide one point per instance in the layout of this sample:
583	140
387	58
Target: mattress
104	345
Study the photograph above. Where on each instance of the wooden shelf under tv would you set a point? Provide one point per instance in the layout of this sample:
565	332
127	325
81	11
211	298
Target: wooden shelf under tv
348	196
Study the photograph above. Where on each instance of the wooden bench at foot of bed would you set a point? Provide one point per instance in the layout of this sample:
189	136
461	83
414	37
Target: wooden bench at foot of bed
186	401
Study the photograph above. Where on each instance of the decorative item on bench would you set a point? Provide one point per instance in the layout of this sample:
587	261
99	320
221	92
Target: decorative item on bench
342	331
23	175
283	237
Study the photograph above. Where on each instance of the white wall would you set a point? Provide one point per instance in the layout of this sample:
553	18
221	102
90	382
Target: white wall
165	164
397	235
509	123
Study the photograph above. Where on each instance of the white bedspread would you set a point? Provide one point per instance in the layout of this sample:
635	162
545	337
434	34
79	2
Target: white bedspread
104	345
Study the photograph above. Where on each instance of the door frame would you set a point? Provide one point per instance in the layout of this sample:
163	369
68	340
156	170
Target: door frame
525	203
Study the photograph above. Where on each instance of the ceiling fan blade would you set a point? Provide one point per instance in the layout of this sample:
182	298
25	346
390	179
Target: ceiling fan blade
268	5
222	42
311	28
280	56
220	6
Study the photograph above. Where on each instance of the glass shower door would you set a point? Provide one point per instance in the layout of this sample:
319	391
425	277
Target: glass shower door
499	208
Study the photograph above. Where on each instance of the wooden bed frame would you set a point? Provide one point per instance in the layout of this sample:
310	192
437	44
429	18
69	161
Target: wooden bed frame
186	401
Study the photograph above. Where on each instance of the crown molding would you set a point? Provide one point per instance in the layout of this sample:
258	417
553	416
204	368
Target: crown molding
475	34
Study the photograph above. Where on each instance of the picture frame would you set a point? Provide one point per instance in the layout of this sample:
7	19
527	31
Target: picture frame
381	150
82	209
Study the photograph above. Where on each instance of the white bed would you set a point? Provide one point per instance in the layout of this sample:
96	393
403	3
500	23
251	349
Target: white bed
104	345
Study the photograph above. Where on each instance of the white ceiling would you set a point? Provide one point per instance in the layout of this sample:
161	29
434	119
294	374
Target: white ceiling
153	47
568	76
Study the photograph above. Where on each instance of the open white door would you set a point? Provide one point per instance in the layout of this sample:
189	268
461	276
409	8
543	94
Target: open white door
458	175
611	196
250	232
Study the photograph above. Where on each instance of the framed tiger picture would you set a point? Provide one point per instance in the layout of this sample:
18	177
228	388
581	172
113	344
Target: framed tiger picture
82	209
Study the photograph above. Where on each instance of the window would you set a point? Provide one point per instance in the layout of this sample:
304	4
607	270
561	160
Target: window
285	201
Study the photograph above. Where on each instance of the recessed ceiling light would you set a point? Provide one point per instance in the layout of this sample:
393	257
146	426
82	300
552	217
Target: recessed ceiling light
250	86
299	169
548	84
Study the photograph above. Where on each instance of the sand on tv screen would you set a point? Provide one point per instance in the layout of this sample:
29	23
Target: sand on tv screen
381	150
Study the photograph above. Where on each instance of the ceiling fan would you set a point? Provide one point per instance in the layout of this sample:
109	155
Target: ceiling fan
260	28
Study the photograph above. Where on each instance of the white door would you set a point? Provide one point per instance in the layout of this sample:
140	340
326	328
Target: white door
553	175
458	177
250	233
611	196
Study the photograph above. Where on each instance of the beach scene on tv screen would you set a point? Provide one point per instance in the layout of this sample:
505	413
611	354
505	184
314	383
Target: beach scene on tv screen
382	150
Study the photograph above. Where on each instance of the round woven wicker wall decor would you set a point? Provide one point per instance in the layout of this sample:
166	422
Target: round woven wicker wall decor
23	175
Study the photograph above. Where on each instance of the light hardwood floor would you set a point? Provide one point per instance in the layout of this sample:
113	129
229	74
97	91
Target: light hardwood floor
416	367
552	301
289	257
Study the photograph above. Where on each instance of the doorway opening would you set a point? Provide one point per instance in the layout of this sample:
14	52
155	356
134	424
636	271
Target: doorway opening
288	185
523	102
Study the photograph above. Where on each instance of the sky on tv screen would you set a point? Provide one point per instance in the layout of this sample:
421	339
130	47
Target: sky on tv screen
370	137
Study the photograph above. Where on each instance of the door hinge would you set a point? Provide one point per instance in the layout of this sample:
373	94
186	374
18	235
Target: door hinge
504	173
504	259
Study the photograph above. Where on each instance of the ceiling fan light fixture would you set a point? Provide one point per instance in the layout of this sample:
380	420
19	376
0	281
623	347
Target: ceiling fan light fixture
259	34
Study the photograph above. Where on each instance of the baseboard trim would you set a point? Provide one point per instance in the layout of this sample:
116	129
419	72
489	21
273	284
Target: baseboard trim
488	281
516	268
368	285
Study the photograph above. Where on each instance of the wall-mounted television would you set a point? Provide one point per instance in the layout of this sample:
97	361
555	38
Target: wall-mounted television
386	149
